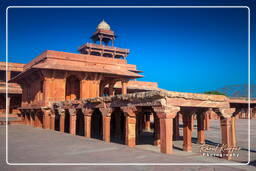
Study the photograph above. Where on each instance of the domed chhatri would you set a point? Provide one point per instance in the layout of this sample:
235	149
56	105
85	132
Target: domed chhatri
103	25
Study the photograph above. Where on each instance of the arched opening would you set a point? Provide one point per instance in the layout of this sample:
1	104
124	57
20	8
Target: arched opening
96	125
80	123
72	88
117	126
67	120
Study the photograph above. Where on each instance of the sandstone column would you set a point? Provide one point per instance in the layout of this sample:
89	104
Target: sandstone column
106	113
52	122
166	115
62	119
87	121
201	126
46	118
124	86
72	114
147	121
157	131
111	89
233	129
187	130
176	133
130	125
226	130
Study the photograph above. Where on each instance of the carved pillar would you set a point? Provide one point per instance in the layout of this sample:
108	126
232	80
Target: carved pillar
206	121
166	115
87	121
176	132
111	89
201	126
130	125
226	130
233	131
72	114
52	122
46	118
124	86
106	113
147	121
156	131
187	130
62	119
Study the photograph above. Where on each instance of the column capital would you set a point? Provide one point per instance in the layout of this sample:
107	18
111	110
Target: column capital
46	111
166	112
106	111
129	110
87	111
225	112
72	112
61	111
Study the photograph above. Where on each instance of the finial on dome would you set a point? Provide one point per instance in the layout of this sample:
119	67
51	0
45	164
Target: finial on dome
103	25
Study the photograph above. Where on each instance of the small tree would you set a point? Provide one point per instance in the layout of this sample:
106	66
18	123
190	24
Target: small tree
214	92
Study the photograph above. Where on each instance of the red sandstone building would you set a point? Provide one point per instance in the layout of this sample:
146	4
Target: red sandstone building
94	94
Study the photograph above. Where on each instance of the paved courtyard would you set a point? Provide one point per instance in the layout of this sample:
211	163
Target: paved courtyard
34	145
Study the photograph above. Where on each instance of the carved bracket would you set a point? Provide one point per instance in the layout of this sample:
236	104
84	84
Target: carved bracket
165	112
129	111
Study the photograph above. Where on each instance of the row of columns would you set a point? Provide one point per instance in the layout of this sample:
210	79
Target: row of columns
166	125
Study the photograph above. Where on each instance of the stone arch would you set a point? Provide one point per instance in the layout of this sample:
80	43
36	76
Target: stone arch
72	88
97	125
80	123
117	126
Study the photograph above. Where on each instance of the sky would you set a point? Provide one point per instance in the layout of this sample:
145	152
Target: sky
187	50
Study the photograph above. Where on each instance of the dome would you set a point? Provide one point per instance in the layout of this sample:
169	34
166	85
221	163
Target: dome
103	26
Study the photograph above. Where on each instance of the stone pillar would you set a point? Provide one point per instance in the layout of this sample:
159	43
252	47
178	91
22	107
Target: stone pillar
8	107
52	122
87	121
124	86
166	115
233	131
111	89
130	125
176	132
156	131
206	121
62	119
226	130
147	121
72	114
46	118
187	131
106	113
200	127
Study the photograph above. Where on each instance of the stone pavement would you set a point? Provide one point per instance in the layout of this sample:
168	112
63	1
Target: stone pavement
27	144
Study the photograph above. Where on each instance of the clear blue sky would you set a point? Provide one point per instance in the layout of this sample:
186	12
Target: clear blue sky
189	50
